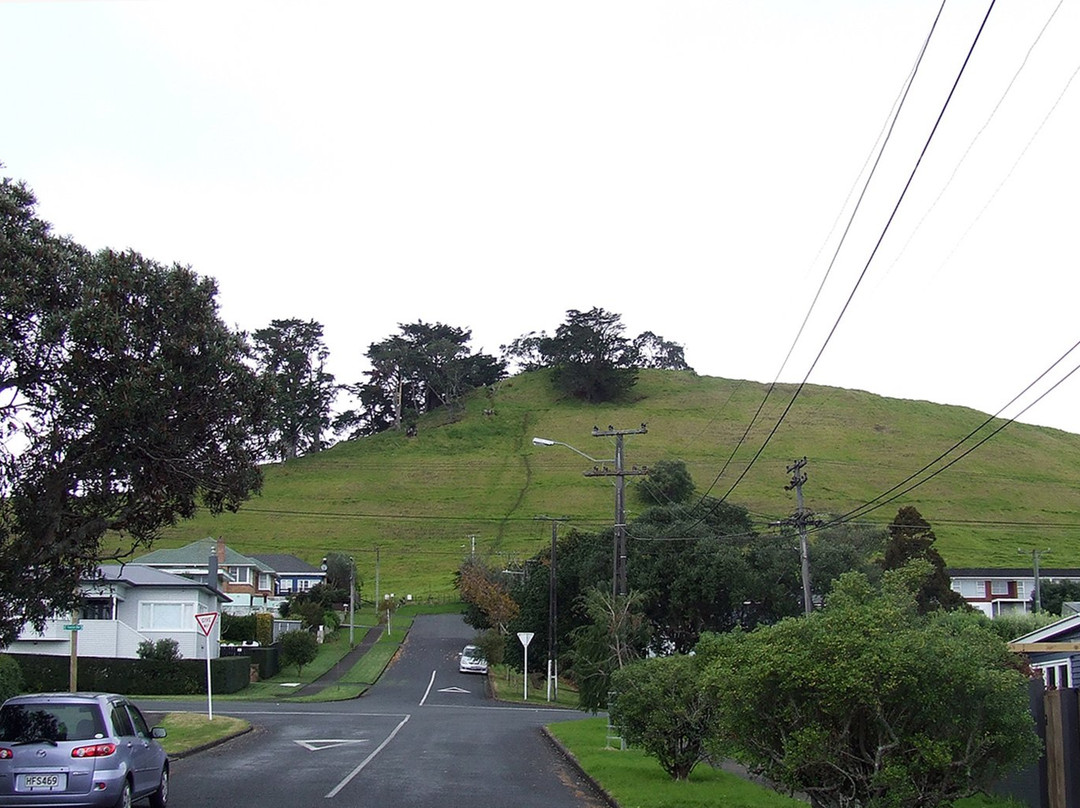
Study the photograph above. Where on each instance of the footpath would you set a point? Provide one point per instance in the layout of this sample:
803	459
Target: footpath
343	665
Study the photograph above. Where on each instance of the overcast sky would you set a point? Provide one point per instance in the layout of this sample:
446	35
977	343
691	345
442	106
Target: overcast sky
691	166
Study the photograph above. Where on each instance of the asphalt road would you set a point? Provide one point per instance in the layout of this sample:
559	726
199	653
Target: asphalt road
424	736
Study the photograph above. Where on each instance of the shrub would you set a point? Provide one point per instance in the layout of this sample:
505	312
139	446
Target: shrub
11	677
238	628
298	648
264	628
164	650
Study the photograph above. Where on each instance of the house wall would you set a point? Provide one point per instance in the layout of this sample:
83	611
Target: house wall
120	638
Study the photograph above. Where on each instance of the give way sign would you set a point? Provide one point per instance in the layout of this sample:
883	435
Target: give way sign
206	622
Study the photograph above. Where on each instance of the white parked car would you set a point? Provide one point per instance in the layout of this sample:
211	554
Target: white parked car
472	660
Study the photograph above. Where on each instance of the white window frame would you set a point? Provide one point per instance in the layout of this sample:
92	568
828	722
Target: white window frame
999	586
970	589
1053	671
265	583
240	575
166	615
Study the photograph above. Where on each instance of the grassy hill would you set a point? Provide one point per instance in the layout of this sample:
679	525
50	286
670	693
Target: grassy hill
420	499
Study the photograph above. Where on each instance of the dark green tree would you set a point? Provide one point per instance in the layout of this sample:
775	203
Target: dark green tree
660	706
126	404
652	351
291	358
910	537
1054	594
869	702
424	367
668	483
590	357
340	573
298	648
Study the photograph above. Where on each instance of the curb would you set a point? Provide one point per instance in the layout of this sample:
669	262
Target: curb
573	761
203	747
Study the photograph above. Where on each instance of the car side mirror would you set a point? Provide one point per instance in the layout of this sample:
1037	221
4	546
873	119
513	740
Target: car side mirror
158	732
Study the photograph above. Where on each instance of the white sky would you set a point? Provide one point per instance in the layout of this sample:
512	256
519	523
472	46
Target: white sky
491	165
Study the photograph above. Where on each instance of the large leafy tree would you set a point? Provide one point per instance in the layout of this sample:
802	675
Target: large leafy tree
910	537
615	635
868	702
591	358
291	357
422	368
126	403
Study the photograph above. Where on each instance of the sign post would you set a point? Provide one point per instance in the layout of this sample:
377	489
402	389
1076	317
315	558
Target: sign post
526	637
206	625
73	665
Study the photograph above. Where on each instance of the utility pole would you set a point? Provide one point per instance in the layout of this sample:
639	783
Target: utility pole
800	520
1035	556
376	584
618	583
553	662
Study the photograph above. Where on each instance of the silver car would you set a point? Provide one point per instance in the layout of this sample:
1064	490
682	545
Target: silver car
79	749
472	660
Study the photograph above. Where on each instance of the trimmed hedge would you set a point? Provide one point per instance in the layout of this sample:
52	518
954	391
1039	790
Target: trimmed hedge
143	677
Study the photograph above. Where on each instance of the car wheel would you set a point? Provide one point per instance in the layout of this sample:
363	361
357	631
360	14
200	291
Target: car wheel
161	796
125	796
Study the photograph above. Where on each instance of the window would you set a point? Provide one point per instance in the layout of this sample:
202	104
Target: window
239	575
999	587
285	585
1056	675
969	588
264	582
122	721
304	584
162	616
97	609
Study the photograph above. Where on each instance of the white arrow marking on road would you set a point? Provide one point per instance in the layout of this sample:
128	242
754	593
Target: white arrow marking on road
453	690
317	745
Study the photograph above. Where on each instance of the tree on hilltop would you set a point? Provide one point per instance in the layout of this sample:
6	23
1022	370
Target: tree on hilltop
292	356
590	357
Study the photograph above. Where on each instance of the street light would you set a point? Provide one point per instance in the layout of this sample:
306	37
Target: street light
547	442
618	575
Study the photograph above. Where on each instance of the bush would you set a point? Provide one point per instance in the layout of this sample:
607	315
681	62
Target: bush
11	677
164	650
238	628
298	648
264	628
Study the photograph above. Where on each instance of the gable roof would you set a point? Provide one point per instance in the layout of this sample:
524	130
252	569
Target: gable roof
286	564
1064	629
196	555
136	575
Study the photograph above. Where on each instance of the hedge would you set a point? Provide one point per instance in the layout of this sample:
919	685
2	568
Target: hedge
143	677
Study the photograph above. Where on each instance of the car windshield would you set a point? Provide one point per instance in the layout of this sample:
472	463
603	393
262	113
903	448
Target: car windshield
50	723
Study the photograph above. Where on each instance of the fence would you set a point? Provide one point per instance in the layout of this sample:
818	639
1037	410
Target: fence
1054	782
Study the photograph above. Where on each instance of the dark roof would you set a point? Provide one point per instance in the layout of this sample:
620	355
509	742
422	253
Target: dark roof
196	554
1012	572
287	564
138	575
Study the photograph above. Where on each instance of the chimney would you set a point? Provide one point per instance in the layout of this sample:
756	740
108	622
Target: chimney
212	572
220	550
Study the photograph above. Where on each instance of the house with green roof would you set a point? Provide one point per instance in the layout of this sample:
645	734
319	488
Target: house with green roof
250	583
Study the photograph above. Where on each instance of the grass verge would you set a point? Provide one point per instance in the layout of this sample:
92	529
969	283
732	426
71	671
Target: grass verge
635	780
188	731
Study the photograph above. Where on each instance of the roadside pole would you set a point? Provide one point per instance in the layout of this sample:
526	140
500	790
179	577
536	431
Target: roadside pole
526	637
206	624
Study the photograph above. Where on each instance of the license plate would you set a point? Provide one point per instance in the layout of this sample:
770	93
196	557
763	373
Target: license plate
43	782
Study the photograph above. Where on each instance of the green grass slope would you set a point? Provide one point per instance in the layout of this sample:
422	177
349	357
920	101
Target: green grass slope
420	499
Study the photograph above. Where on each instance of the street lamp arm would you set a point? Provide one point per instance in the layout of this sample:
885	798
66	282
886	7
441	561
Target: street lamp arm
548	442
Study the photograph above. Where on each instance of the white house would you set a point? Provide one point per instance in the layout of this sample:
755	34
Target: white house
127	605
1003	591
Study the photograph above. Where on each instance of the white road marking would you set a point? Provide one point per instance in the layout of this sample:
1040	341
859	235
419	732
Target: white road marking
367	760
318	744
453	690
429	684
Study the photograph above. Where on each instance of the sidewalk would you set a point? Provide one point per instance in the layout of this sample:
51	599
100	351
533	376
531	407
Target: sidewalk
343	666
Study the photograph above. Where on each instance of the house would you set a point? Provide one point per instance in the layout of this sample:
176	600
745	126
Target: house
125	606
1004	591
1054	650
292	574
248	582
